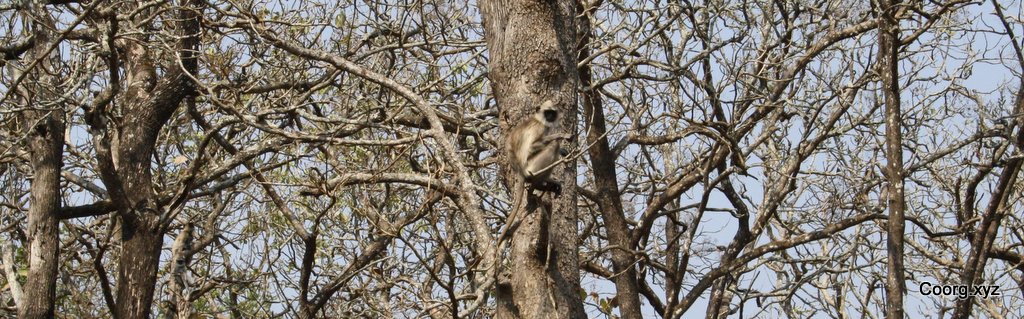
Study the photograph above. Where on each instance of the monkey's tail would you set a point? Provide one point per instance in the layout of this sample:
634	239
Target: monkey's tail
518	205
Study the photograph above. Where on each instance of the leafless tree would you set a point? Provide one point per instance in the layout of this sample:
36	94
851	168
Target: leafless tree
310	159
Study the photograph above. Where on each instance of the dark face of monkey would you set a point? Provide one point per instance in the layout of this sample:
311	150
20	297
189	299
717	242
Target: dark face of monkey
550	115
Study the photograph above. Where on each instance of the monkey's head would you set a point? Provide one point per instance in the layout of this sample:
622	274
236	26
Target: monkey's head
549	112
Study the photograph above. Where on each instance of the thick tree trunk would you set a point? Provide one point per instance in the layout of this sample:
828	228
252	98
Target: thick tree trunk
532	59
605	183
140	257
888	52
46	146
125	158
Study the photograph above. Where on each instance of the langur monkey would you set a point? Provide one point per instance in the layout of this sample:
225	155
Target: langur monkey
533	149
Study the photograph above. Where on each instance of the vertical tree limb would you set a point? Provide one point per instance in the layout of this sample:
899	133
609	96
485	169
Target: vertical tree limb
45	132
888	52
606	181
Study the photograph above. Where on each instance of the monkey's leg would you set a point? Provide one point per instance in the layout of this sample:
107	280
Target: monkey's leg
549	186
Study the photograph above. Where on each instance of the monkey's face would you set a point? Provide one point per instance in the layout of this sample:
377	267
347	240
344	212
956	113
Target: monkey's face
550	115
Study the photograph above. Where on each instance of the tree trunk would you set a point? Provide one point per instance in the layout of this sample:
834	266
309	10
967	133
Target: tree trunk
531	45
124	155
46	146
888	52
605	183
140	257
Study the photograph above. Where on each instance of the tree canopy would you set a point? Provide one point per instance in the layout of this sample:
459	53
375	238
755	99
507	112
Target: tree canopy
344	159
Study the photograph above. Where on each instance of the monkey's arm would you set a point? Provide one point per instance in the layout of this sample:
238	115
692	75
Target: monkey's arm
536	148
556	137
546	142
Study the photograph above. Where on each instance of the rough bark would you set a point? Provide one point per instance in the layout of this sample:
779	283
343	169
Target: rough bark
888	50
140	256
532	59
45	137
605	183
7	268
46	143
124	158
178	304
